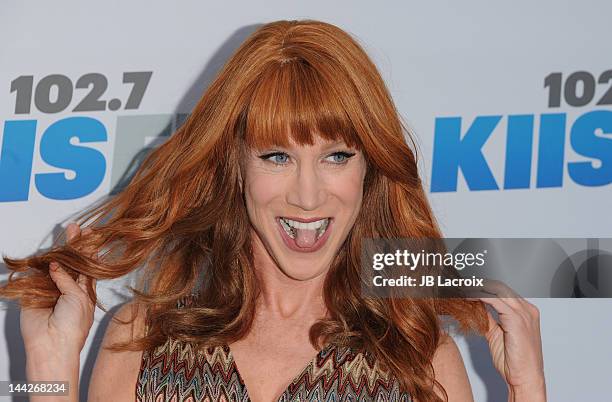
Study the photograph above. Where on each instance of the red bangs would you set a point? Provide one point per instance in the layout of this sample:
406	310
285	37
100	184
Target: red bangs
293	101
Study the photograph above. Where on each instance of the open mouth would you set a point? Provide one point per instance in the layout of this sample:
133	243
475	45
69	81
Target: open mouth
304	236
292	227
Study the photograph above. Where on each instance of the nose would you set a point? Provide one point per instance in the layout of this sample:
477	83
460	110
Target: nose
308	190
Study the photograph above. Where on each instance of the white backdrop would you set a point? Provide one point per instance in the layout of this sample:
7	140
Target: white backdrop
440	60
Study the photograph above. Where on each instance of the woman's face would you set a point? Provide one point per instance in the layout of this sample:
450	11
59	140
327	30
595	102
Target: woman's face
302	202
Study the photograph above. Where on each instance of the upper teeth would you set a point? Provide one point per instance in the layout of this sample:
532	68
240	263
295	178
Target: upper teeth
290	226
306	225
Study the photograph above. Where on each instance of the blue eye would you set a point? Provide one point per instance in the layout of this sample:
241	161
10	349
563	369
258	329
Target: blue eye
278	158
340	157
281	158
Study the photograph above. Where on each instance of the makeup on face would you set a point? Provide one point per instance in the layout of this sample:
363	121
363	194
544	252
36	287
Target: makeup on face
302	202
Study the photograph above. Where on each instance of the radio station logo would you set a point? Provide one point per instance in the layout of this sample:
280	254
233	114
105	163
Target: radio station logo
590	136
70	144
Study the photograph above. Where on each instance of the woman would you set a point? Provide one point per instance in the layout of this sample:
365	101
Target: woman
247	223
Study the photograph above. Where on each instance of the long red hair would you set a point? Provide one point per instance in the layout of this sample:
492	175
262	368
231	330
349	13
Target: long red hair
182	219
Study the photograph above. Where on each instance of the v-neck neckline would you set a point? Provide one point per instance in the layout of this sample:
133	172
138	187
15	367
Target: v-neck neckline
293	381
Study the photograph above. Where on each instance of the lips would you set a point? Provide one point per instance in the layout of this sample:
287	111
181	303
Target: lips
304	235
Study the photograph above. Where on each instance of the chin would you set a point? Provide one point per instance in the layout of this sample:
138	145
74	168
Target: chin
304	271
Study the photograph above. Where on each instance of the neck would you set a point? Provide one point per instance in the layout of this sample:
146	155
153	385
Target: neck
284	297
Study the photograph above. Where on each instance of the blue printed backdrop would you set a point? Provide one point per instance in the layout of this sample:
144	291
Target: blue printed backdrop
454	151
510	105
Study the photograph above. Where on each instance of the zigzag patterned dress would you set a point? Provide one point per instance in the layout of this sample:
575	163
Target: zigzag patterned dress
178	372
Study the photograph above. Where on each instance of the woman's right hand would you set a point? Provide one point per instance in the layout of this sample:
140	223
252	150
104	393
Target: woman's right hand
63	329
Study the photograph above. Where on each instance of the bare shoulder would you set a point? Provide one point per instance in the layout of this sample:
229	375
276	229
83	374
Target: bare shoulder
115	374
450	371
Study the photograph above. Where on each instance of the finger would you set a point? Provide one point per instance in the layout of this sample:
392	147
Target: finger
483	295
500	305
85	232
493	324
72	231
532	310
64	282
499	288
82	282
503	292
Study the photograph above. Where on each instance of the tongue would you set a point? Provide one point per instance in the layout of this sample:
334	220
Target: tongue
305	237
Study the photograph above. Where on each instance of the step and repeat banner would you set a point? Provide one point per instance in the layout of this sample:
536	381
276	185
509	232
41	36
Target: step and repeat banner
510	104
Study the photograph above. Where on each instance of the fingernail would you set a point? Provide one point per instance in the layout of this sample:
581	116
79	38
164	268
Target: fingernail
53	266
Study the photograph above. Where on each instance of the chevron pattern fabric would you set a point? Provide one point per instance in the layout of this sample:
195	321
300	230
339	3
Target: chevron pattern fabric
178	372
175	372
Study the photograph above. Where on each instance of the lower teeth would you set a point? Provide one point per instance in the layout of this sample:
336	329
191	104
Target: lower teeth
321	231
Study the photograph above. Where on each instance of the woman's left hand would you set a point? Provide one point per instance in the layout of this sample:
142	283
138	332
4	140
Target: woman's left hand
515	342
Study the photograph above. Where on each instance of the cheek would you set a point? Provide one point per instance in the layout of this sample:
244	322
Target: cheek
349	189
259	192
